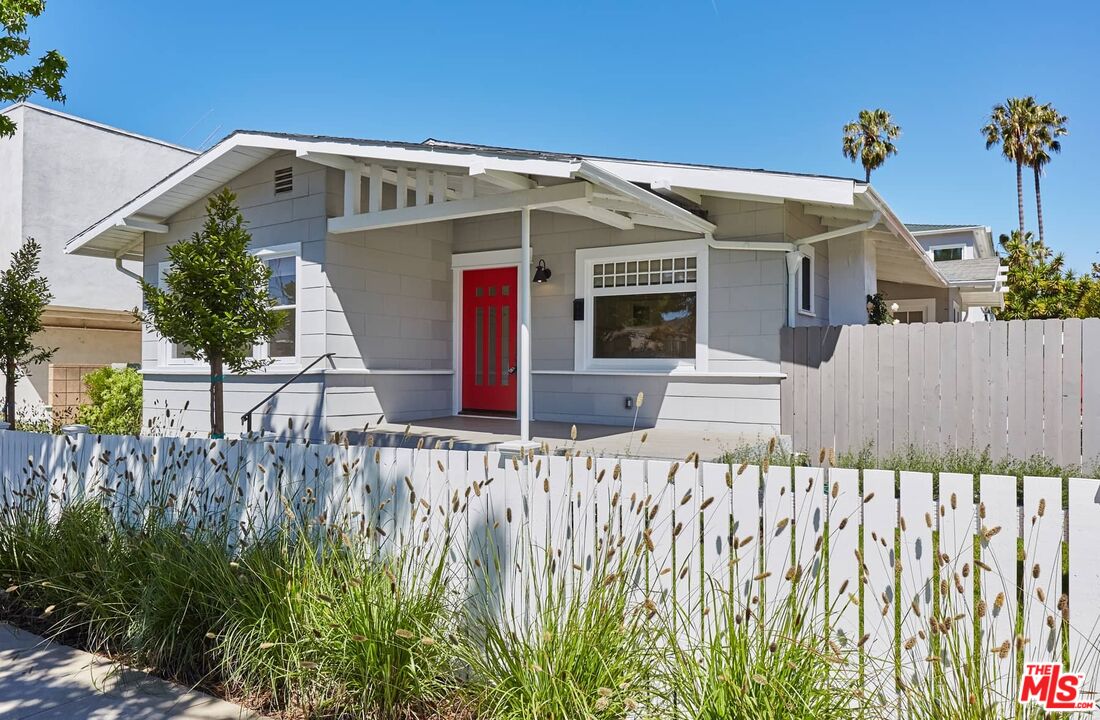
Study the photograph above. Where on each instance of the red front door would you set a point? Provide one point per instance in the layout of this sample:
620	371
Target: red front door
489	340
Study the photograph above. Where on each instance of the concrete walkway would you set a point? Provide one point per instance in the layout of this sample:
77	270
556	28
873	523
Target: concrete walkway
40	680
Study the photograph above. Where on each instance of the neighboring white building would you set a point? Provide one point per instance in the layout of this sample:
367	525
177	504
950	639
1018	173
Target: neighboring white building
59	174
412	264
967	259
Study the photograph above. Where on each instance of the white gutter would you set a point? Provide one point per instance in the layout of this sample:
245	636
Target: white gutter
794	256
876	218
898	228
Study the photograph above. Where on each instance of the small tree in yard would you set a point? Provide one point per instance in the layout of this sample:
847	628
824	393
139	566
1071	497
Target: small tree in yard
215	299
24	294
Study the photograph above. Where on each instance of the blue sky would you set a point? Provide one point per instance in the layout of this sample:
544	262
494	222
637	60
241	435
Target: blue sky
763	84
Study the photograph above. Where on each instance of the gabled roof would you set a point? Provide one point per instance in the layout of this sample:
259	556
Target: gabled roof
632	191
120	233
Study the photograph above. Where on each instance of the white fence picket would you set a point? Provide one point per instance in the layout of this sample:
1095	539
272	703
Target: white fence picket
1084	581
631	488
584	533
746	544
880	521
1043	530
915	593
956	563
685	538
844	518
809	539
778	515
716	511
998	521
661	516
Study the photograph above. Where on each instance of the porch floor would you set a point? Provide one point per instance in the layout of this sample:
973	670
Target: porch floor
482	433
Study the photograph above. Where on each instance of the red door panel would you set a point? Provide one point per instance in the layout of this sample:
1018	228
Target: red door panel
489	305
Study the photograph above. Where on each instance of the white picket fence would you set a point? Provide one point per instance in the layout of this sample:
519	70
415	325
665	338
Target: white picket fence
710	531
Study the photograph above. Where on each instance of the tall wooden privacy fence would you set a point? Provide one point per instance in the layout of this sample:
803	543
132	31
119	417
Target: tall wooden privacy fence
1019	388
893	556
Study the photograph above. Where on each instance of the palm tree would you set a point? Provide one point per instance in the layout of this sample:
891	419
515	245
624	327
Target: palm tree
1012	126
1049	125
869	139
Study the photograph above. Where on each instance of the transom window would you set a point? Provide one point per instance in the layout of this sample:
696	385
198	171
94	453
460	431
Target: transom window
645	272
644	306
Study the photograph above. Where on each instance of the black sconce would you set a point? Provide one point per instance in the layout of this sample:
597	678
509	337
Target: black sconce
542	273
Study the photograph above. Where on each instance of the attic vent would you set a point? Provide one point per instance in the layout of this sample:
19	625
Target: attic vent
284	180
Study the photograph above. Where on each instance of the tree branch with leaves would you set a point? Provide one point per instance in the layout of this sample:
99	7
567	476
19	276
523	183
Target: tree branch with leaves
44	76
214	300
24	295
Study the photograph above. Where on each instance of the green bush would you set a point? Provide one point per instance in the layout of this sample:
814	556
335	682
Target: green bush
115	407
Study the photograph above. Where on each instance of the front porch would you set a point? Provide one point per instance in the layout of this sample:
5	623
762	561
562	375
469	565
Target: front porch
485	433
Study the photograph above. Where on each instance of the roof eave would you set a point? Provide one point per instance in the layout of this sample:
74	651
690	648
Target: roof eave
892	221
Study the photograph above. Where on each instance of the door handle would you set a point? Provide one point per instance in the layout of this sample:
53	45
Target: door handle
512	370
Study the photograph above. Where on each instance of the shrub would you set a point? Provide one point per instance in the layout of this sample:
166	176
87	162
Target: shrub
115	407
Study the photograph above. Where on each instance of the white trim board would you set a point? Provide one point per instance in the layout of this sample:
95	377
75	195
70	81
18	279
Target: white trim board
509	257
586	257
678	376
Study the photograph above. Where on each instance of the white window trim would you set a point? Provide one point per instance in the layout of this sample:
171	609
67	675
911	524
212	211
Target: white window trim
809	254
582	331
261	352
946	246
928	305
164	355
164	347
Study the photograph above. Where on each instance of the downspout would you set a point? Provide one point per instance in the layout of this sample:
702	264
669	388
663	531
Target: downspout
123	251
124	271
794	255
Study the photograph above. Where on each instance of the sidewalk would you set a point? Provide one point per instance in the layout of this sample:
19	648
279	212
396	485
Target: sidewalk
40	680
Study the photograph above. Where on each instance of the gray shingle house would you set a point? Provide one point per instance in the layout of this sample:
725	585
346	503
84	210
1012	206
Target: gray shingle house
449	278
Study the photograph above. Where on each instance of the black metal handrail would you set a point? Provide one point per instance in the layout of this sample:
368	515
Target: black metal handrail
247	417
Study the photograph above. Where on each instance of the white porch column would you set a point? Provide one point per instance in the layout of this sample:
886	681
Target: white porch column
525	326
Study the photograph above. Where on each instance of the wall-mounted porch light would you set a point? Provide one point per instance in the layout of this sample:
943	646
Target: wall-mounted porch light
542	273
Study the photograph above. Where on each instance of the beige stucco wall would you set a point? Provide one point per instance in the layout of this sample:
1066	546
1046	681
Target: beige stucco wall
75	346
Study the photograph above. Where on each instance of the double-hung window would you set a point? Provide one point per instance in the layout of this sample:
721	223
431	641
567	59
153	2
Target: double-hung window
171	353
645	307
282	349
283	287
